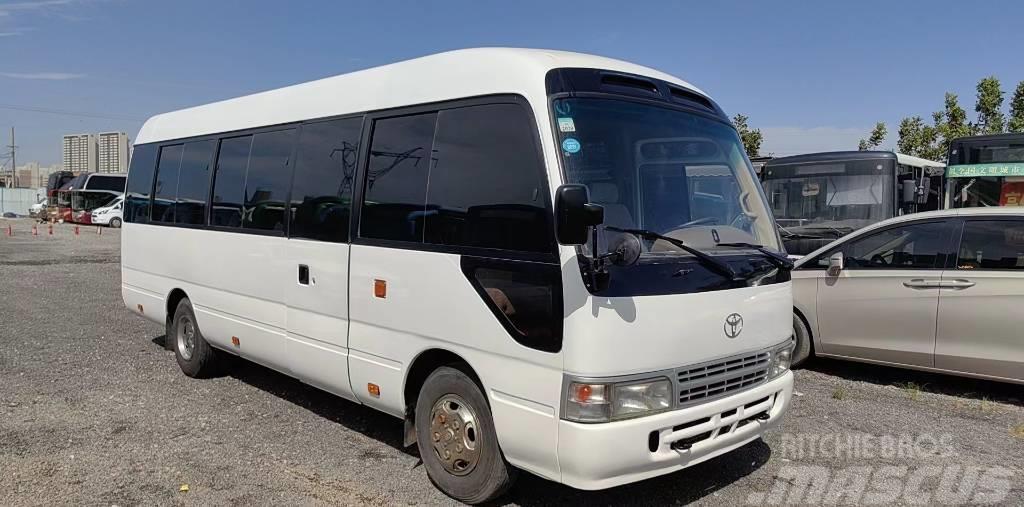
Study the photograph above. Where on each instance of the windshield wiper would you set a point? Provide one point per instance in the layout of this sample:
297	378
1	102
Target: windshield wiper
708	260
780	261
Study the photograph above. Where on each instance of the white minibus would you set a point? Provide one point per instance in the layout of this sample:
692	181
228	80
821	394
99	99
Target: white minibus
539	260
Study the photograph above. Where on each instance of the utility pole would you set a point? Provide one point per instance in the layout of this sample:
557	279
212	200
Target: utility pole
14	162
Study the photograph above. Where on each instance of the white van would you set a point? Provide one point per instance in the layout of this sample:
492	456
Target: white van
110	214
539	260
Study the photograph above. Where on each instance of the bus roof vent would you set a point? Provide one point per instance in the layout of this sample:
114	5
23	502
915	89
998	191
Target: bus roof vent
679	94
632	82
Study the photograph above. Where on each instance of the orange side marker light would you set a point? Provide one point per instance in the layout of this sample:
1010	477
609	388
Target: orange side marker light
139	306
380	288
373	389
235	341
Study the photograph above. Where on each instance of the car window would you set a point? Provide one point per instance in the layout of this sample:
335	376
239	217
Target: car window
915	246
992	244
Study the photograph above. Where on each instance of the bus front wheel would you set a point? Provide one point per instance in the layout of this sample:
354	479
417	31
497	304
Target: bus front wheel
456	438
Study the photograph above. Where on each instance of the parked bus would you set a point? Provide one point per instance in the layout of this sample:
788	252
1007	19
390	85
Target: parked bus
504	248
54	183
986	171
73	204
819	197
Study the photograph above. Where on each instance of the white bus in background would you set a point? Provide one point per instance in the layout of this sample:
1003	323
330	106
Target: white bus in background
540	260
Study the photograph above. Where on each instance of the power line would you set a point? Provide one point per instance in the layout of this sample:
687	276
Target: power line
65	112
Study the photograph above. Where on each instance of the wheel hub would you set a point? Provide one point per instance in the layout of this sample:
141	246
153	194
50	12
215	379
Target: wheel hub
454	434
186	337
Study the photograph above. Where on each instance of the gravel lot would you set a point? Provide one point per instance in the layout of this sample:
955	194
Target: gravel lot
93	410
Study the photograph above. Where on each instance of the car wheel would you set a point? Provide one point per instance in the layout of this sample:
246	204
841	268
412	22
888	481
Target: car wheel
802	335
456	438
195	357
115	223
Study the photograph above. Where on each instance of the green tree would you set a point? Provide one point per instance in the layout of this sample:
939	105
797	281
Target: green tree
1016	123
751	138
919	139
989	106
875	139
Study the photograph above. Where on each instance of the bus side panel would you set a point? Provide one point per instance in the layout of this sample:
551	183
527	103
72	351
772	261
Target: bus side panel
428	304
234	282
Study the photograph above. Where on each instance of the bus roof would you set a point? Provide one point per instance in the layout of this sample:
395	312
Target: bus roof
846	156
443	76
989	137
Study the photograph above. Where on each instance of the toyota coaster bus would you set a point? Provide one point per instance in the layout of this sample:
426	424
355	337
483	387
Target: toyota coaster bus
538	260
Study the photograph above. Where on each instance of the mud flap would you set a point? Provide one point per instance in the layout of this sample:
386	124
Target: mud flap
409	429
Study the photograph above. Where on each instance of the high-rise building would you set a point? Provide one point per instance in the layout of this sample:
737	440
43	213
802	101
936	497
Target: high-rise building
113	152
79	152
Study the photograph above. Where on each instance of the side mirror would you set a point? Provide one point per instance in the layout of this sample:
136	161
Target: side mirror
835	264
575	215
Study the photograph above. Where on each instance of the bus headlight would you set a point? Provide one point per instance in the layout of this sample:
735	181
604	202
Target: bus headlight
782	358
588	402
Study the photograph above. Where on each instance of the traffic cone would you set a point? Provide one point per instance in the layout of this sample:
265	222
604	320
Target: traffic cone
51	228
76	230
10	231
35	230
99	231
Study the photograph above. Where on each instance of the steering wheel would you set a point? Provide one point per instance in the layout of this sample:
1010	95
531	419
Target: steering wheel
699	221
879	260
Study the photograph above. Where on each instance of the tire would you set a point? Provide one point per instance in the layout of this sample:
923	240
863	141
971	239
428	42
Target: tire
802	350
470	478
115	223
195	357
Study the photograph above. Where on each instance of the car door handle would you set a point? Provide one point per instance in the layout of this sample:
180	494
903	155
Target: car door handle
303	274
959	283
921	283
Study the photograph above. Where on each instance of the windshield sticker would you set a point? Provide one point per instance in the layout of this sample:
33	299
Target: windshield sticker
811	189
571	145
566	125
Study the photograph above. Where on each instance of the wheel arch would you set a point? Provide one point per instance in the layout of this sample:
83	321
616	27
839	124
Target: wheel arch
810	328
173	298
419	369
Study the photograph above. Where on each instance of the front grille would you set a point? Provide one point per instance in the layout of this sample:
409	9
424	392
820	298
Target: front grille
718	378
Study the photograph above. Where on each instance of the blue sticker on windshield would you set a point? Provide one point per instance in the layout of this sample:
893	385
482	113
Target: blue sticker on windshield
570	145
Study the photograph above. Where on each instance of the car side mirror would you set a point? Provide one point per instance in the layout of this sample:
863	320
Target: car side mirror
575	214
835	264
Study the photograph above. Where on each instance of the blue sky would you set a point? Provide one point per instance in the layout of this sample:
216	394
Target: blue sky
812	76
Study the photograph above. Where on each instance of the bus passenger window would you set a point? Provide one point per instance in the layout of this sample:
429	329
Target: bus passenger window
325	168
166	189
396	180
194	183
267	180
229	181
487	185
526	298
140	184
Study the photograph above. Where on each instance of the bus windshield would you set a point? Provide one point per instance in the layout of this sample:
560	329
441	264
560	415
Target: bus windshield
831	195
663	170
987	172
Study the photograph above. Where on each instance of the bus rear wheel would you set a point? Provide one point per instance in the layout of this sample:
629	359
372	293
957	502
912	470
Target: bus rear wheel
456	438
195	357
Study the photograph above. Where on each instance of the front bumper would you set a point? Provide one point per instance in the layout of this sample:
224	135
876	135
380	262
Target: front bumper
604	455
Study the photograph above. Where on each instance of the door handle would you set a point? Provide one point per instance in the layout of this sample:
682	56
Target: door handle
921	283
303	274
959	283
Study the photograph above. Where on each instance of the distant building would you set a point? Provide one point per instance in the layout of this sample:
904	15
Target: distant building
113	152
79	153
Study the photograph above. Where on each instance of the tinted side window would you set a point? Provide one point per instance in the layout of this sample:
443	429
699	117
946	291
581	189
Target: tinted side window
992	244
486	187
194	183
396	182
166	188
916	246
325	167
229	181
112	183
267	180
140	184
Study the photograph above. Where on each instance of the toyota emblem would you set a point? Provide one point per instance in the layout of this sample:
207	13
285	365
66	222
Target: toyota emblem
733	325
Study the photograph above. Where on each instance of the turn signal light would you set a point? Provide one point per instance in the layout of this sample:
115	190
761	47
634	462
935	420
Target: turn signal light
380	288
373	389
235	341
